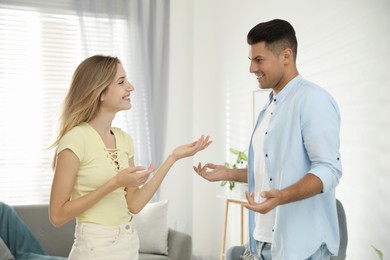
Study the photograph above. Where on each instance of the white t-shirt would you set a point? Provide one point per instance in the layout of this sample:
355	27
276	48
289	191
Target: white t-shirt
264	223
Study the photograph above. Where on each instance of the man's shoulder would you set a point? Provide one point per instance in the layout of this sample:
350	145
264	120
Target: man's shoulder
309	88
308	85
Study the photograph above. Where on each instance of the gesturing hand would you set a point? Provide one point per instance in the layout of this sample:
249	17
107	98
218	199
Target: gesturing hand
192	148
134	176
272	199
217	172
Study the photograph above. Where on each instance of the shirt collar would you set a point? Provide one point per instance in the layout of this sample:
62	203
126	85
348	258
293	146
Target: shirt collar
280	96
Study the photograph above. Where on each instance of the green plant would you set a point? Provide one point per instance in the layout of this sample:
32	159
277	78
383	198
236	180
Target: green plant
378	252
240	163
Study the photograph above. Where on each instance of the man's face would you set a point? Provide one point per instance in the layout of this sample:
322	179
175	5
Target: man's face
267	66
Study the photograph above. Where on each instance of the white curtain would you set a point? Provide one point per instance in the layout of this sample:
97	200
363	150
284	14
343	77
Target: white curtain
41	43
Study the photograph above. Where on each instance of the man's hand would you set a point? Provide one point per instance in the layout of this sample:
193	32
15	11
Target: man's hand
211	172
272	199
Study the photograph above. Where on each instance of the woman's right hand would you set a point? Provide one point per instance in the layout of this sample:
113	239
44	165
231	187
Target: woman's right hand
133	176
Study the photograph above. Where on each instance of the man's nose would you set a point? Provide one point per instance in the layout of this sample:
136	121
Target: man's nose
253	67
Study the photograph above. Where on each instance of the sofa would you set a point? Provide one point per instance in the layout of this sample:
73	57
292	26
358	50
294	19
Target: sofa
58	241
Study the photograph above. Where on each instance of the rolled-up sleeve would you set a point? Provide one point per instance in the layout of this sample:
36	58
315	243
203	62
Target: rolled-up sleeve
320	122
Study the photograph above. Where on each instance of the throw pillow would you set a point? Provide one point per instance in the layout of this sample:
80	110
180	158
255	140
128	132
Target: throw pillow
152	227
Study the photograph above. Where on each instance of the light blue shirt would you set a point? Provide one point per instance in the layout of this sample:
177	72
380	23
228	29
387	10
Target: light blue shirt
302	137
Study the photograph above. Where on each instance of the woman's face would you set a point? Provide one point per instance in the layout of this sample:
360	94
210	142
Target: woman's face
117	96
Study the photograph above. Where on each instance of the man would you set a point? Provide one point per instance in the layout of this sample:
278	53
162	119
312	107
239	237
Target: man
294	162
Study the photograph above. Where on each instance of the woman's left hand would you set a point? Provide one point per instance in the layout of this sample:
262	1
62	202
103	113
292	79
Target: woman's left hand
192	148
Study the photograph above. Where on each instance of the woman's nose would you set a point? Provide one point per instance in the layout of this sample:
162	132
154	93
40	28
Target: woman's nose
130	87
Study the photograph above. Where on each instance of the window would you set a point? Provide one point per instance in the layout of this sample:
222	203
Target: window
41	45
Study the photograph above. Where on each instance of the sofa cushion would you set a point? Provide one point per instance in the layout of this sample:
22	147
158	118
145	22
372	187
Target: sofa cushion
144	256
56	241
152	226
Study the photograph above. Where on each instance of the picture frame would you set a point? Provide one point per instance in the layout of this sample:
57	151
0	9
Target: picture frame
260	98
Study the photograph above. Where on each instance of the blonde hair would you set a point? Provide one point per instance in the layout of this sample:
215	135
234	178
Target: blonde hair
89	81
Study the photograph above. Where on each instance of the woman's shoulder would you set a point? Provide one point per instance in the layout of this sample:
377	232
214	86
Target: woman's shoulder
79	133
124	140
120	133
81	129
75	139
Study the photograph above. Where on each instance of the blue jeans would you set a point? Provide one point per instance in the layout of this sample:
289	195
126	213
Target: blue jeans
263	251
321	254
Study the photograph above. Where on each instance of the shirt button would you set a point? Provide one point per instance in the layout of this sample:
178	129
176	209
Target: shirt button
127	227
266	132
270	179
266	155
274	99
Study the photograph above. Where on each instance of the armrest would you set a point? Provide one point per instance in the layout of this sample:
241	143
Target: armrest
235	252
179	245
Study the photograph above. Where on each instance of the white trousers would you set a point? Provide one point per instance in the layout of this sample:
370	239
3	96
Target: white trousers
98	242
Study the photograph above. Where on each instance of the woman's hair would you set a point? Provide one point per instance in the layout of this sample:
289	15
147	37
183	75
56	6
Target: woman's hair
277	35
89	81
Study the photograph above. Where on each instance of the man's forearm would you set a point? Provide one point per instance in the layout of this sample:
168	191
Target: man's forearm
307	187
238	175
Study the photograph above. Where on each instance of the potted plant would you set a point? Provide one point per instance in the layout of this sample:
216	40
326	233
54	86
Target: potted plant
241	161
378	252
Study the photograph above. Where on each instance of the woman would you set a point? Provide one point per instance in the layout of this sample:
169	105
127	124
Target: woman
96	180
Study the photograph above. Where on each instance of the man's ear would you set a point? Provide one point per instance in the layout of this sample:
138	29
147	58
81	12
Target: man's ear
288	55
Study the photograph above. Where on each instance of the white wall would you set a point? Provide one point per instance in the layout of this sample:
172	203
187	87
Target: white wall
194	207
342	46
177	186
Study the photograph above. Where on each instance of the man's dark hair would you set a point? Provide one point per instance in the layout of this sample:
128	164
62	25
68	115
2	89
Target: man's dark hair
277	35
